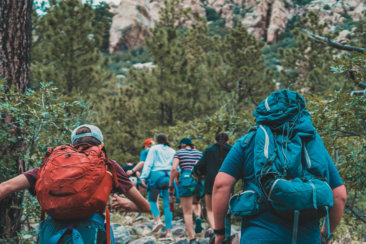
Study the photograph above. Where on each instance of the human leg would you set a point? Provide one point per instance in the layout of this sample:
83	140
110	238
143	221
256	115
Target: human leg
196	207
210	218
153	194
168	214
186	203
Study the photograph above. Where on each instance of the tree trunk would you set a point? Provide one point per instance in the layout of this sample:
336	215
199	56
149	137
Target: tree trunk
15	41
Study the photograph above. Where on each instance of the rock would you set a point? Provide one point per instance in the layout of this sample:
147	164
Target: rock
121	234
266	20
148	65
144	240
182	242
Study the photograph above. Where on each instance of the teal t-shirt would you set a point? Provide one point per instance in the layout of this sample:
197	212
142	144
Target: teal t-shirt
268	227
143	155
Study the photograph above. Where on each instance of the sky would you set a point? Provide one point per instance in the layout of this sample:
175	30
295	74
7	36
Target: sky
38	4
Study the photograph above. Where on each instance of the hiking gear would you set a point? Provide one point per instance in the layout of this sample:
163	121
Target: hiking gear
198	225
171	202
186	141
157	226
247	203
185	179
290	163
74	182
94	132
167	237
133	180
220	231
89	230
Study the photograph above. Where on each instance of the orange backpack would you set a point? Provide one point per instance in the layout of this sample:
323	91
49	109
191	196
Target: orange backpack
74	182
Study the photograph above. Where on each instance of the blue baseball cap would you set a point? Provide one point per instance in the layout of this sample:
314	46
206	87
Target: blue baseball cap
94	132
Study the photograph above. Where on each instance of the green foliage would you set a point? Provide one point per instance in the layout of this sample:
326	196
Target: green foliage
103	21
247	79
340	120
178	87
202	131
306	66
301	2
326	7
66	47
353	65
45	119
211	14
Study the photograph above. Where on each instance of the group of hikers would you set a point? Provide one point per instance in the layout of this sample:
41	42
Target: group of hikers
290	182
160	165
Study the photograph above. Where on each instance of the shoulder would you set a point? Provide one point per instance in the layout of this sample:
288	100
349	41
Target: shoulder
179	152
197	151
211	148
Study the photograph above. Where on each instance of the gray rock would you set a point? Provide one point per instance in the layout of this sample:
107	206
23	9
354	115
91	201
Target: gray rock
185	241
121	234
144	240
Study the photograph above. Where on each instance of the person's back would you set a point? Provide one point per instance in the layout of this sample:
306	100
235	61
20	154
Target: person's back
268	226
157	171
208	166
90	229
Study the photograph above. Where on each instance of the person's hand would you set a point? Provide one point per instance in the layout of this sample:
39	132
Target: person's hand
121	203
143	183
171	190
219	239
129	172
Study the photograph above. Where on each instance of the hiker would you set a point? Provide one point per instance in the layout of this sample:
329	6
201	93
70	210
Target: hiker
208	167
139	167
186	158
67	227
157	170
135	175
283	152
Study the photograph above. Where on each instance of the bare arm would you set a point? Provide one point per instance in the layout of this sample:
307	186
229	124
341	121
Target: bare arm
220	200
15	184
172	174
133	202
138	167
336	213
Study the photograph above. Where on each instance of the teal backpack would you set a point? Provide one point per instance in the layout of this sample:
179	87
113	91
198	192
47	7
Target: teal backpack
290	164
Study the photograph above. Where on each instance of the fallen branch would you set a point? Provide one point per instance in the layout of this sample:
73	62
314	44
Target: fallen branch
331	43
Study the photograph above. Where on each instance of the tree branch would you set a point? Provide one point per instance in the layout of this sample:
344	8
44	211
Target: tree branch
331	43
357	215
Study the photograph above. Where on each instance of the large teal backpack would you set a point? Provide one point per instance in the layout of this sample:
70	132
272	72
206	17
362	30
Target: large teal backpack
290	164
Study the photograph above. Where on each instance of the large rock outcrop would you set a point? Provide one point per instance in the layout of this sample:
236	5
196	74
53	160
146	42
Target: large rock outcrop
265	19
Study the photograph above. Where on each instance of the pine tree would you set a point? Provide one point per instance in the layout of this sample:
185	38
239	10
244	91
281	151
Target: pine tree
66	48
308	64
247	79
178	88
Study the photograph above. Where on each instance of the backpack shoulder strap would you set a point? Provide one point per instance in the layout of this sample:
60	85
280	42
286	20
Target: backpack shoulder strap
110	166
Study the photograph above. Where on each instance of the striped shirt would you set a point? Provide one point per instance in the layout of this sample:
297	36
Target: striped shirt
187	158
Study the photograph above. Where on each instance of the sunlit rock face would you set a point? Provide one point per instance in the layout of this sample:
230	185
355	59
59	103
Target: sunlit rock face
265	19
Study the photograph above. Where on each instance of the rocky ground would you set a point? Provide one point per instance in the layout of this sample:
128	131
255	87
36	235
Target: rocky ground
127	230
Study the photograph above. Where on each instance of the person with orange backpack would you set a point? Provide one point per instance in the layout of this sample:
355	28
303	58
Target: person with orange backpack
73	185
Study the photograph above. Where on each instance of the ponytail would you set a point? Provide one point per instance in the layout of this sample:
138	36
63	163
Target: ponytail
221	138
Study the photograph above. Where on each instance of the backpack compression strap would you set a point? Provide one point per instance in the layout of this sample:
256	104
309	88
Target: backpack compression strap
108	225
